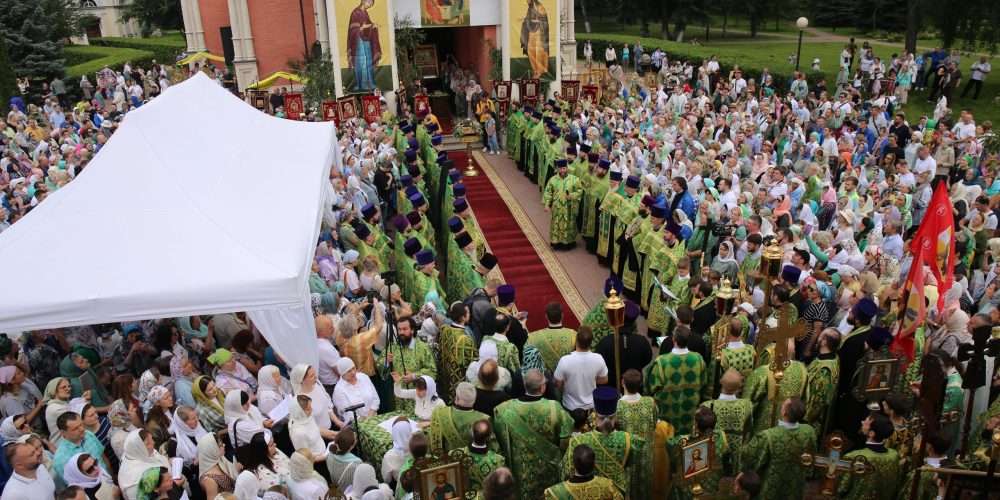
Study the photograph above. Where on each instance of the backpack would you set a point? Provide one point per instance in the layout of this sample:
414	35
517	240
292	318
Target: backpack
476	324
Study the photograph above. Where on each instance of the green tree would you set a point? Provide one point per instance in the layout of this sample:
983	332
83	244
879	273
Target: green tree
152	14
8	82
319	75
32	34
834	13
407	40
971	25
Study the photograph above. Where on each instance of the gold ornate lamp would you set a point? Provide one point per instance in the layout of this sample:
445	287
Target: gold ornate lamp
770	267
725	298
615	309
469	136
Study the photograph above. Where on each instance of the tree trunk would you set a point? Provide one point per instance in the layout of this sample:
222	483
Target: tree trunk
583	10
912	26
725	22
679	30
665	21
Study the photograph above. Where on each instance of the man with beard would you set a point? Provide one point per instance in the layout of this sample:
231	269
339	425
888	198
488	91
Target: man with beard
30	480
562	199
671	267
596	183
853	346
425	280
553	149
624	230
608	211
409	357
371	219
651	233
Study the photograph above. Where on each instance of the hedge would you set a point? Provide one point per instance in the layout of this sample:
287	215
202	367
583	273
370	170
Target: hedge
751	67
79	54
164	49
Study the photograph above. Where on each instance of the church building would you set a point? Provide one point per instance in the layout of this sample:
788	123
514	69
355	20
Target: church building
259	37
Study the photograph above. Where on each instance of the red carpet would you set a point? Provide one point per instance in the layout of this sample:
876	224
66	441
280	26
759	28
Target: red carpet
518	260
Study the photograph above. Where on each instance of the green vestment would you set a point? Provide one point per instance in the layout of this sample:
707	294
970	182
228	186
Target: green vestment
617	459
710	480
507	354
821	391
458	350
675	382
628	212
563	212
640	419
735	418
530	434
483	464
450	427
596	190
776	455
880	482
598	488
760	389
418	359
552	344
597	320
608	215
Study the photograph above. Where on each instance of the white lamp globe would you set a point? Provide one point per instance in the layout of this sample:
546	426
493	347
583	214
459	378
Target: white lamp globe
802	23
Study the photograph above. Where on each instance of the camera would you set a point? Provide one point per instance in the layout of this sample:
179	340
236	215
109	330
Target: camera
721	229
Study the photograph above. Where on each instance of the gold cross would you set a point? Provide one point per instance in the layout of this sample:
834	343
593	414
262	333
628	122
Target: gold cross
779	334
834	463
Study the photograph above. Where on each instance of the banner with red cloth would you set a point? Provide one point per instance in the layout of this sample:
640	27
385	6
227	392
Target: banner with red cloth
571	90
293	106
421	106
502	89
330	112
590	91
258	99
347	107
370	108
932	247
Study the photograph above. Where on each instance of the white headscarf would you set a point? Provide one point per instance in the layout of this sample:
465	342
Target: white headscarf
364	478
73	476
431	390
247	486
298	373
265	381
135	461
243	424
301	468
488	350
210	455
402	432
186	449
299	422
729	245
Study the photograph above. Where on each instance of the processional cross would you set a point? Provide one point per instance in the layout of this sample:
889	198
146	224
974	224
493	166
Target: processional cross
834	463
975	371
929	403
779	334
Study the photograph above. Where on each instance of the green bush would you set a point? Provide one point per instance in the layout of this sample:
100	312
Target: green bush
164	49
111	56
750	66
79	54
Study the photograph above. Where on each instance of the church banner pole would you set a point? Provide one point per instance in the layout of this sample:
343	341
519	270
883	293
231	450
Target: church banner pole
615	309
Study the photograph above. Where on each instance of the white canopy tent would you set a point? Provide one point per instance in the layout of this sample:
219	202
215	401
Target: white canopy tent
199	204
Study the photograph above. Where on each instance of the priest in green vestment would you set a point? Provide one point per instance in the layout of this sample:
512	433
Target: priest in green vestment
705	421
551	343
734	416
460	207
617	453
484	459
624	230
936	447
608	209
426	287
409	357
539	148
597	317
451	425
822	375
561	199
530	431
380	243
584	484
776	454
596	184
649	240
514	123
737	355
458	349
671	269
462	274
639	416
675	380
762	390
880	481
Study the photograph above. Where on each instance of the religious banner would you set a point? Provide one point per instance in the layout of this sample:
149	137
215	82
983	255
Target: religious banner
590	92
530	91
502	89
365	58
371	108
444	13
293	106
571	90
258	99
420	103
534	39
348	108
330	112
503	107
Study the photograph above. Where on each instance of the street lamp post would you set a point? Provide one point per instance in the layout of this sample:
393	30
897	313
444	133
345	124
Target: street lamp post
802	23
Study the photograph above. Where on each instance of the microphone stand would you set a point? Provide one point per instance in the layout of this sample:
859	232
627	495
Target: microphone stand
357	428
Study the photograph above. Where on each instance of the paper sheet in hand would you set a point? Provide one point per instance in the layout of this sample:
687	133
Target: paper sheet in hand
663	288
280	411
176	467
387	425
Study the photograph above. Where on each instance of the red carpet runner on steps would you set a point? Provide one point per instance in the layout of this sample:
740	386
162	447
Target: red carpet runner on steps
519	262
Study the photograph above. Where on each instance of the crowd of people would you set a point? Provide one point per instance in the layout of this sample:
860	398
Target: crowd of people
678	189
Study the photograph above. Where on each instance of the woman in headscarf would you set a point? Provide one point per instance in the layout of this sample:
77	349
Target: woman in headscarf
139	456
304	383
183	374
366	487
354	388
488	350
12	428
20	395
76	368
125	411
304	432
242	418
210	402
725	263
216	474
193	328
342	462
394	459
273	388
304	482
56	399
186	432
326	261
156	484
952	333
424	393
83	470
262	457
682	219
230	374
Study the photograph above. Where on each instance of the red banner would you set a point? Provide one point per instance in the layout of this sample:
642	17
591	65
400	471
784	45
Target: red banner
933	246
421	103
330	112
502	89
348	108
503	107
370	108
590	92
258	99
530	91
293	106
571	90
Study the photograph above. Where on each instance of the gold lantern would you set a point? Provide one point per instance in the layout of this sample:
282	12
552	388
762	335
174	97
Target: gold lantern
771	261
615	309
725	298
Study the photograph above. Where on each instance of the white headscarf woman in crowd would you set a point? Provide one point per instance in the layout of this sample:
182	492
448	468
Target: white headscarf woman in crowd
242	418
273	388
366	486
303	431
425	397
91	477
215	473
354	388
139	456
304	482
304	383
393	460
187	432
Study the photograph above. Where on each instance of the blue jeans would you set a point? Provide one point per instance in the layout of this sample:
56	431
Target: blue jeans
494	147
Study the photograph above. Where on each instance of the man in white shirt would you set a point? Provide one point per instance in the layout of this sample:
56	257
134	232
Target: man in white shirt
979	71
982	206
579	372
30	481
925	162
964	130
892	244
328	354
